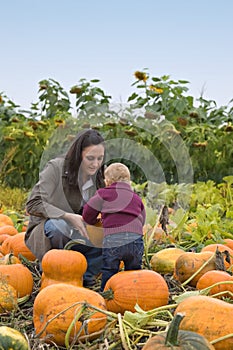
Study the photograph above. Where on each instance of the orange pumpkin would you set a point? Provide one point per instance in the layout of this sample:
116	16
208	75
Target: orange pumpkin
221	248
5	220
67	266
125	289
189	263
3	237
19	277
96	234
228	242
16	245
209	317
8	230
54	299
215	276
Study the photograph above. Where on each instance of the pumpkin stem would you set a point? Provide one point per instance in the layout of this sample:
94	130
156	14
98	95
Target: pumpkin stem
71	243
10	259
172	333
107	294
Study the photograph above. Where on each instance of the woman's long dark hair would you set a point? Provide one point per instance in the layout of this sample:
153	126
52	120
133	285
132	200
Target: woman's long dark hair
84	139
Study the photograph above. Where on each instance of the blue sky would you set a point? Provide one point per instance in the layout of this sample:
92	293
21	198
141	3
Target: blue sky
72	39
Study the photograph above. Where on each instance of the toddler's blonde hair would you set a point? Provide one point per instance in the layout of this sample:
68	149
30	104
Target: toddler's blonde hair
116	172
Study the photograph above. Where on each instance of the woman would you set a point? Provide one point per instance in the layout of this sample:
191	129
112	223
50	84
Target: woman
56	201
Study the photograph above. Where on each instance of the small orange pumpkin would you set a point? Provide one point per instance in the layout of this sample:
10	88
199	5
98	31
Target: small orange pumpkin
5	220
228	242
211	277
54	299
8	230
19	277
125	289
59	265
16	245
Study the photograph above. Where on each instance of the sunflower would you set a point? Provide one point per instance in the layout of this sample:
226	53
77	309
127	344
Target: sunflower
140	75
155	89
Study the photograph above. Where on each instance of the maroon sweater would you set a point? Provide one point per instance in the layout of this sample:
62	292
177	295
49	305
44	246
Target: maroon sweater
121	209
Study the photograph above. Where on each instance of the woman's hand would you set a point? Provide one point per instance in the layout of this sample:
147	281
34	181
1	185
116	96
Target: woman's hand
76	221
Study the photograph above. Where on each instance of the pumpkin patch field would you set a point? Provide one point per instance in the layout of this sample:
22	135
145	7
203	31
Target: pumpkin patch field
182	298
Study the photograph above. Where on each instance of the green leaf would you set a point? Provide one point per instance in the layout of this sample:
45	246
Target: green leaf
132	97
136	319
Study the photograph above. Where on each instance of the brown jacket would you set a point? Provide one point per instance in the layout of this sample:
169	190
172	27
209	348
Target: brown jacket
48	199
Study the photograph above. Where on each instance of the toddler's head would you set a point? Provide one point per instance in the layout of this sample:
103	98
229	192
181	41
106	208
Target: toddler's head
116	172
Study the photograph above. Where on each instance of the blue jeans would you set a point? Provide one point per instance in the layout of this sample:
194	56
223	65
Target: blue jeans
60	233
127	247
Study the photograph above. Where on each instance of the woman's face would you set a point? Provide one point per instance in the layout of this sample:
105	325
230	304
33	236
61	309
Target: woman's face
92	159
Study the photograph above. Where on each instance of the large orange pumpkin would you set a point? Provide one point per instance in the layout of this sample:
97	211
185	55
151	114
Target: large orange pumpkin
209	317
50	303
67	266
125	289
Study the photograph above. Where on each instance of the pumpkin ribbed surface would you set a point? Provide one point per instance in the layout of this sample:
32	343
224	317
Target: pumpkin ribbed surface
56	298
125	289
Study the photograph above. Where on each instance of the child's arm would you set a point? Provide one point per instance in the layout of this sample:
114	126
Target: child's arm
91	210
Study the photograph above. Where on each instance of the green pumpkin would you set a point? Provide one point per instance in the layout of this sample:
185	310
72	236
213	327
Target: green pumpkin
177	339
12	339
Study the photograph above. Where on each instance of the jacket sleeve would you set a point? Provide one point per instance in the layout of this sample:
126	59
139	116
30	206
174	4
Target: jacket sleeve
39	203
